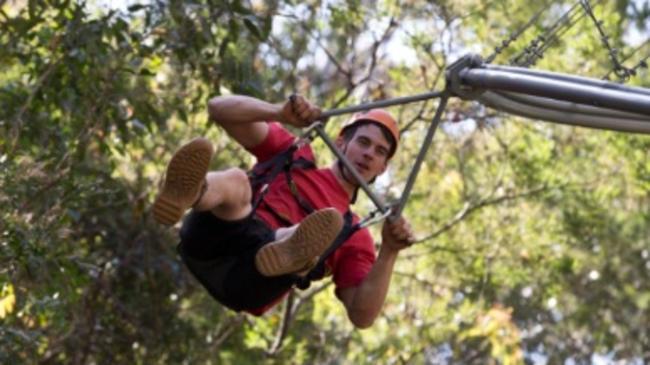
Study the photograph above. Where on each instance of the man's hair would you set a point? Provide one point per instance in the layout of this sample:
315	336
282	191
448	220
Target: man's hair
350	131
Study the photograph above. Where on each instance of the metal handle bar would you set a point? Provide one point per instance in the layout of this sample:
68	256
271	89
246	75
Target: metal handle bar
381	104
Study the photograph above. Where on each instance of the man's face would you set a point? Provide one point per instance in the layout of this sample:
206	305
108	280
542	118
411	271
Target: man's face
368	151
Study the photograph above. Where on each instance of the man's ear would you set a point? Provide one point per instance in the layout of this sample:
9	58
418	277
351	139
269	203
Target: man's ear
339	142
383	169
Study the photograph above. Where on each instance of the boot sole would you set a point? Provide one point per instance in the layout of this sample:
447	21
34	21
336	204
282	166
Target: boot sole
312	237
183	181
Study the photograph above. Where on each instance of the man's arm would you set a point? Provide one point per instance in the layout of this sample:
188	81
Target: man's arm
244	117
364	302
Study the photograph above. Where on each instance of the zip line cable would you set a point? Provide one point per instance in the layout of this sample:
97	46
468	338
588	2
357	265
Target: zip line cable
622	72
556	36
535	50
515	35
553	34
642	63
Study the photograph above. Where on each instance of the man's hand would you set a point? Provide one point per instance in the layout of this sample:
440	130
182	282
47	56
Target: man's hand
299	112
363	303
397	235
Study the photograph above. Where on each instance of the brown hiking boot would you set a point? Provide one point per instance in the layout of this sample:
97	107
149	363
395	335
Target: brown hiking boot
301	249
184	181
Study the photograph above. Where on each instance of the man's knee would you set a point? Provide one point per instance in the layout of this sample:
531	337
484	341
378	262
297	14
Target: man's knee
236	175
239	180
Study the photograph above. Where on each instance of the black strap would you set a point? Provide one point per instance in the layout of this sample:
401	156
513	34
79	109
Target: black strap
285	220
265	173
261	178
318	271
304	204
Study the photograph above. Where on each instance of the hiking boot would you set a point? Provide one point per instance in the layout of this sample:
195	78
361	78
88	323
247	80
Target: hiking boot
300	250
184	181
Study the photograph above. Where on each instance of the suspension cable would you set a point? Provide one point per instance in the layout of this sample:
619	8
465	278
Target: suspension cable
535	50
516	34
621	71
538	46
558	34
642	63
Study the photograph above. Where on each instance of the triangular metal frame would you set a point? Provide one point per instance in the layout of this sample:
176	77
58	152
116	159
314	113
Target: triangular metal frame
549	96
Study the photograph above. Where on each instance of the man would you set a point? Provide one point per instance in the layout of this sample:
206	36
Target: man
248	260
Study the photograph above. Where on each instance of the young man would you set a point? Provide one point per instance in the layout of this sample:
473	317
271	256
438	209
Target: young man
248	260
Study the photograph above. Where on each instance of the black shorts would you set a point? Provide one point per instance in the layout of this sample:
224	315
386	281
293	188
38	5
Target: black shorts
221	255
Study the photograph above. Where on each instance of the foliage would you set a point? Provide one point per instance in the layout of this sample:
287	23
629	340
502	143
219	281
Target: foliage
534	238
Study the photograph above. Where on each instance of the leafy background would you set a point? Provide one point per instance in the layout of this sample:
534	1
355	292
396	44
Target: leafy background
534	237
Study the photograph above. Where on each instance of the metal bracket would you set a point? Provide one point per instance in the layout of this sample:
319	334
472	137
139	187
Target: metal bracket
454	82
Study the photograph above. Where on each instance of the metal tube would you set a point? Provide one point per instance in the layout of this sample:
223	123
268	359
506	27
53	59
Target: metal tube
503	103
423	151
556	89
362	184
552	104
381	104
570	78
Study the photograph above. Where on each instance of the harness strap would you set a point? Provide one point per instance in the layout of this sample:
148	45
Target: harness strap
281	218
318	271
261	178
265	173
296	194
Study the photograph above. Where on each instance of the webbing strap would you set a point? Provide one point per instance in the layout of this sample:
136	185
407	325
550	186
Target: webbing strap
318	271
296	194
265	173
261	178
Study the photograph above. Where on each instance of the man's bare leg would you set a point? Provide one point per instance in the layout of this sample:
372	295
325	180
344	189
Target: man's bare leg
188	184
227	195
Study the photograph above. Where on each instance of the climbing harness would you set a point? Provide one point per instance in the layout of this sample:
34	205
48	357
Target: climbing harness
261	178
265	173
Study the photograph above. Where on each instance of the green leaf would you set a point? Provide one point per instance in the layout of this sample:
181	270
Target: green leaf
135	7
250	23
146	72
237	7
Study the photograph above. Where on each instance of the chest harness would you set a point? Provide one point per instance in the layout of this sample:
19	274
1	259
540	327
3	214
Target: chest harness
264	174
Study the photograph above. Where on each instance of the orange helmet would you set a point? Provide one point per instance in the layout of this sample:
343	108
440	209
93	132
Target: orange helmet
378	116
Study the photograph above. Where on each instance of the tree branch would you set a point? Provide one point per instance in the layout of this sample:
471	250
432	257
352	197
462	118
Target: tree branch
469	209
283	329
224	332
290	310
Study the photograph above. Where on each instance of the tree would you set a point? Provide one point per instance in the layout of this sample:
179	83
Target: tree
534	237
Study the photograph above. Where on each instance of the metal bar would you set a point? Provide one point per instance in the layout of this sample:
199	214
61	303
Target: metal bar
566	106
570	78
500	102
420	158
362	184
374	218
556	89
381	104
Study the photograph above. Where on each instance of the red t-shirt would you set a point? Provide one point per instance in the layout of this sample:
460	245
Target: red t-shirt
352	261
